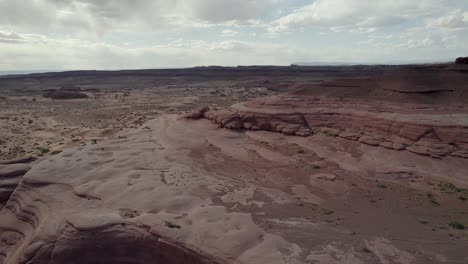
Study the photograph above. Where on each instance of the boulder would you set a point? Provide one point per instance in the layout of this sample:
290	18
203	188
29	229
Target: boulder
197	114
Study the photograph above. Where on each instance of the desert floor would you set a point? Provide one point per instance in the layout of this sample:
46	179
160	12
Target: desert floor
122	177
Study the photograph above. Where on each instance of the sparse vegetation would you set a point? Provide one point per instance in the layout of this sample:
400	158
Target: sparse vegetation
301	151
457	225
382	186
43	150
328	212
93	141
328	133
172	225
432	199
447	187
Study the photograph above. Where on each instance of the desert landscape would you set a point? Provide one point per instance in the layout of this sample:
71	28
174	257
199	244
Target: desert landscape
258	164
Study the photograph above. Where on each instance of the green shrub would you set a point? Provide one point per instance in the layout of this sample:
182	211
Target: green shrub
43	150
457	225
171	225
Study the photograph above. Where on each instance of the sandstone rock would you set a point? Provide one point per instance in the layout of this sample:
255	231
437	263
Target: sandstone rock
197	114
364	127
10	177
287	124
68	208
369	140
350	135
21	160
325	177
392	145
13	170
346	110
461	153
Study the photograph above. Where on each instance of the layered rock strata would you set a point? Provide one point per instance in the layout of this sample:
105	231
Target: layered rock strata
430	134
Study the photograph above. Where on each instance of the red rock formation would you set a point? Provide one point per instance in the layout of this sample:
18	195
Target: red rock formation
366	113
11	173
197	114
287	124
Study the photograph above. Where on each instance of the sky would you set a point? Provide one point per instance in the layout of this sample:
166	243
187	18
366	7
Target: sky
136	34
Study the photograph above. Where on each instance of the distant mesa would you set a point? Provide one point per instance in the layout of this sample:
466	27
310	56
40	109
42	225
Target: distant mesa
461	60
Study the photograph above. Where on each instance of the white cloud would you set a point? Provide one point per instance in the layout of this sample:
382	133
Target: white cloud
229	33
42	52
455	19
112	34
103	16
355	15
10	37
228	10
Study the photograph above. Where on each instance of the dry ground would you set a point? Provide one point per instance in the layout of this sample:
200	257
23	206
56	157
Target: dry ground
124	165
32	125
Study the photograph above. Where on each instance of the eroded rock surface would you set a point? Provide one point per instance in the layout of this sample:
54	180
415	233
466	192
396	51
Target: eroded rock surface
369	175
178	191
11	173
367	112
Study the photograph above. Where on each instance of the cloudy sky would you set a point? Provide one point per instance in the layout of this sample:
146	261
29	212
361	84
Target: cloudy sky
125	34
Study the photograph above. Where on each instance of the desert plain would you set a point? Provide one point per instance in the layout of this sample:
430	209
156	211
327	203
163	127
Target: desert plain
266	164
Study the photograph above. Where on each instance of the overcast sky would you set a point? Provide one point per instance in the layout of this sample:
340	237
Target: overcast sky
125	34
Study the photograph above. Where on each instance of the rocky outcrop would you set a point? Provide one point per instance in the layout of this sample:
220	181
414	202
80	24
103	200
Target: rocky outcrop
287	124
436	133
421	110
113	243
187	192
461	60
138	199
197	114
10	176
